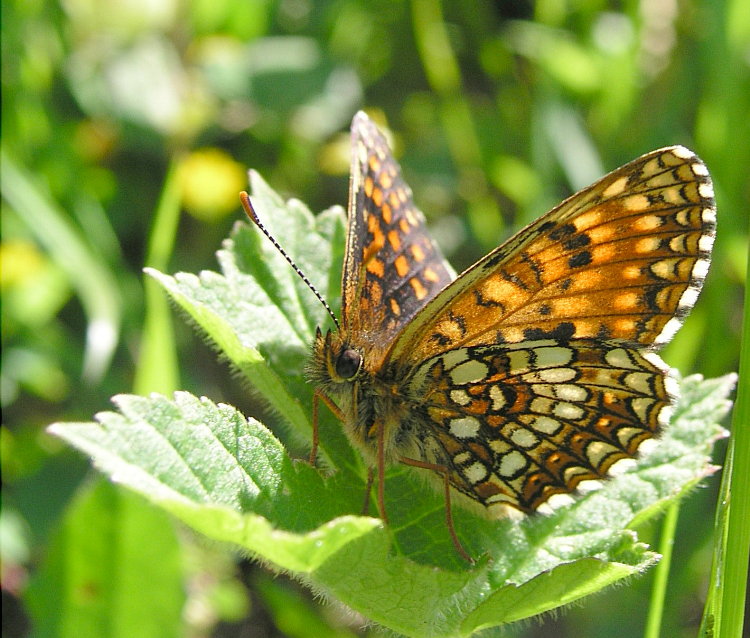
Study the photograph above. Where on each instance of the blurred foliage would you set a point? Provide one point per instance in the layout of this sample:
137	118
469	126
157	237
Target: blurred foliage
497	110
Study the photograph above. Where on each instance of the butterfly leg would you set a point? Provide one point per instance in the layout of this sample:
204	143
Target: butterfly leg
318	395
368	489
443	471
381	473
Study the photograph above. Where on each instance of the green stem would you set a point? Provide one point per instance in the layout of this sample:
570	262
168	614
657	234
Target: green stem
724	613
661	576
158	369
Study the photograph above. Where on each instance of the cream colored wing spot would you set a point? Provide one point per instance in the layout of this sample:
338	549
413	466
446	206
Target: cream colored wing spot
571	392
460	397
524	438
568	411
498	398
499	446
572	473
520	361
647	245
647	223
625	434
511	464
597	451
620	358
616	188
641	407
471	371
679	244
553	356
556	375
639	382
636	202
462	457
673	195
464	428
664	269
546	425
475	473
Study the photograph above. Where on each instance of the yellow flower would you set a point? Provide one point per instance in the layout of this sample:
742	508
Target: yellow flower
20	261
211	181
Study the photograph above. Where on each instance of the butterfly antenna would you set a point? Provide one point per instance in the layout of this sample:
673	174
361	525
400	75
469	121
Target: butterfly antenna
250	212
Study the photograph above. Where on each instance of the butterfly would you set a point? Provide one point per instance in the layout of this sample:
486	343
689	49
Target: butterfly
533	370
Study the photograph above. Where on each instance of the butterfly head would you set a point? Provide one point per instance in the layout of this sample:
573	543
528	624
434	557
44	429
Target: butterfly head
334	360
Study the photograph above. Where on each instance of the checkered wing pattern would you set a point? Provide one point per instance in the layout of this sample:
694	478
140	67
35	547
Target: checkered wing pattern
392	266
534	369
521	422
623	259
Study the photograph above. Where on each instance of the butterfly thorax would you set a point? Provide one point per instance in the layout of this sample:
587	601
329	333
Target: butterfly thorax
368	398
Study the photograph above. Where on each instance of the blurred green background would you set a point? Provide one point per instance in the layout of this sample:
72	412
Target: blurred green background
498	111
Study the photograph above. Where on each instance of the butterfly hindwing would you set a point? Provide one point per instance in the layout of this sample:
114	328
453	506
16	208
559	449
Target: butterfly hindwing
518	423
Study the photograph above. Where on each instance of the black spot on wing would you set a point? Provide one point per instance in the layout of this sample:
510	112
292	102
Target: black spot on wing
577	241
580	259
563	231
563	332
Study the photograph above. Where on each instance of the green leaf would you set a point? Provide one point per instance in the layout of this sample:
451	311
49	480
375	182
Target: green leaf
232	479
262	316
227	477
93	580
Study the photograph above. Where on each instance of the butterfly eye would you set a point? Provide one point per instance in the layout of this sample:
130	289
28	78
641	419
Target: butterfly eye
348	363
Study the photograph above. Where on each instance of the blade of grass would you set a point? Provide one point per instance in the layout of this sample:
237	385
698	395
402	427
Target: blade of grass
661	575
724	615
95	284
157	369
443	73
712	608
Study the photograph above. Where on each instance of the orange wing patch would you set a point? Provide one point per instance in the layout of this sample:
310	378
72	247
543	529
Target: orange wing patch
622	260
389	255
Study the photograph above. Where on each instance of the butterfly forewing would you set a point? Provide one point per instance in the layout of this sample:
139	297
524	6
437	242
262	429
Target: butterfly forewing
622	260
392	267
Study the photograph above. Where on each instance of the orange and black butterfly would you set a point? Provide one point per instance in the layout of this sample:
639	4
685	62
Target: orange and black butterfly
533	370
